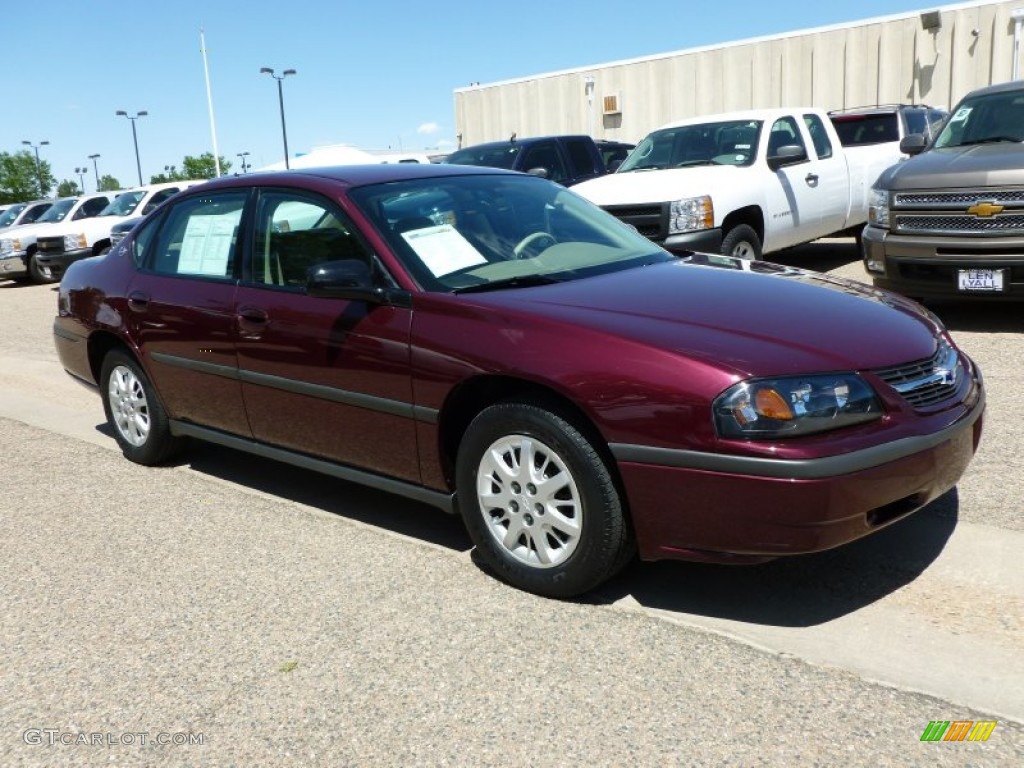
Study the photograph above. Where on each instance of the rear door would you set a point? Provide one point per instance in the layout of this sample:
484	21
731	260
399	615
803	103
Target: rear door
322	376
181	308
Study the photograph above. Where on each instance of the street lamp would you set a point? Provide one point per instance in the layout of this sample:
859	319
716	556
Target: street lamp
81	177
96	171
39	167
243	155
135	138
280	98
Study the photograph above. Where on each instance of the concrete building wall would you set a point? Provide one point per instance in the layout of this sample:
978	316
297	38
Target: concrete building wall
891	59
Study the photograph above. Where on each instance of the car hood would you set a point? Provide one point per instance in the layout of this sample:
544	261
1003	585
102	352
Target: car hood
31	230
981	165
656	186
753	318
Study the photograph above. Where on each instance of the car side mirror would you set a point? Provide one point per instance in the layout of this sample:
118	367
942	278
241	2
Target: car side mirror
539	171
344	279
913	143
787	154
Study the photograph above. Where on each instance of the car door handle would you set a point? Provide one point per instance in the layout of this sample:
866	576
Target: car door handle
811	179
138	301
252	321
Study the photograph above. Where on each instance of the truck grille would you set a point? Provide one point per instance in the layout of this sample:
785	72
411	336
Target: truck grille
948	213
651	220
50	244
926	382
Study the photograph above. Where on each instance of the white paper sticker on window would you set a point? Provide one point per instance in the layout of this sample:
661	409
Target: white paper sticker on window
443	249
961	114
206	245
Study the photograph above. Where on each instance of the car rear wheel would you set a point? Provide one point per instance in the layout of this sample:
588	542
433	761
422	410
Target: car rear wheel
134	411
539	502
742	242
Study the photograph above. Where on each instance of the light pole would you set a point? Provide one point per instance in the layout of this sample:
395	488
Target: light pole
243	155
280	98
39	167
135	138
96	171
81	176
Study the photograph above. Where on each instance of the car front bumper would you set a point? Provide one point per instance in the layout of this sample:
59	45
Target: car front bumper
928	267
13	265
765	508
58	262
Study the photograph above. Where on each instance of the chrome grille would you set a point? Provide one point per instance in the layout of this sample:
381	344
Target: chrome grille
964	225
50	244
649	220
926	382
956	199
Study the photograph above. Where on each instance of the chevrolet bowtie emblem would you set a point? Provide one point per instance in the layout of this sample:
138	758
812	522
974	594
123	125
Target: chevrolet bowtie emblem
985	210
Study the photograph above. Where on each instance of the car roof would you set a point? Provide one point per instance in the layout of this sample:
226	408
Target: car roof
357	175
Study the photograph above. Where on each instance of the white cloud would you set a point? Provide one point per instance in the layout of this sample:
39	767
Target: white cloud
428	128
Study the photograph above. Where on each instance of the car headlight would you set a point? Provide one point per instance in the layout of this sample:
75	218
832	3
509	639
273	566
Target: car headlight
878	208
74	242
7	245
792	407
690	214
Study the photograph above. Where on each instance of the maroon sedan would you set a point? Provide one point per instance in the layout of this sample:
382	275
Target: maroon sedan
492	344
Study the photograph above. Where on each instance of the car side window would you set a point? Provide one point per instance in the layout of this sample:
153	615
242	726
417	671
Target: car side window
580	157
544	154
158	198
199	237
819	136
295	232
144	239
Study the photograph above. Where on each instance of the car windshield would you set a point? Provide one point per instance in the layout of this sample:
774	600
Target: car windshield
986	119
7	217
481	232
732	142
500	156
123	204
56	212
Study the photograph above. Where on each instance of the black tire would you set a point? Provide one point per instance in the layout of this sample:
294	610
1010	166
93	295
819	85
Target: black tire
742	242
577	523
40	274
139	423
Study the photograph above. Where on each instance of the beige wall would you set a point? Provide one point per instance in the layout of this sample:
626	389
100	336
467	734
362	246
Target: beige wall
877	61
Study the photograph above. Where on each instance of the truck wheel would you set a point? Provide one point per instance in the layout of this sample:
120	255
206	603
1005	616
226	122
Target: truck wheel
39	273
742	242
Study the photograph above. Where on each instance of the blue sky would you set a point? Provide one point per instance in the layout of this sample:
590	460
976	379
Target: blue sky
371	74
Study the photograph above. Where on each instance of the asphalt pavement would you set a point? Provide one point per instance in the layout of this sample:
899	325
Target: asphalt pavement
248	613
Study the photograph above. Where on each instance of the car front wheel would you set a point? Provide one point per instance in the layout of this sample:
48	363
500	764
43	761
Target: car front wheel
539	502
134	412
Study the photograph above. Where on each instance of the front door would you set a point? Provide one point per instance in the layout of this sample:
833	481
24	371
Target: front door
326	377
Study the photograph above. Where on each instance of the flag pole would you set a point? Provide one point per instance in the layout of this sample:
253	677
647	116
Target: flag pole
209	101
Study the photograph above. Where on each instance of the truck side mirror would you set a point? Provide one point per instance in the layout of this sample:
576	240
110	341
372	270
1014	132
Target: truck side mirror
913	143
787	154
539	171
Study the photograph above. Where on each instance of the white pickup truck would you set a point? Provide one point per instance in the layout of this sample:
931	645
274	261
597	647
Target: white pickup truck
740	183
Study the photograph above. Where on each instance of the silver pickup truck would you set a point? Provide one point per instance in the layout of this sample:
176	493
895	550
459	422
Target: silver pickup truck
949	221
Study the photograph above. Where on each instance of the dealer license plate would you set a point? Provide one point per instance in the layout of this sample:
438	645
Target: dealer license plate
980	279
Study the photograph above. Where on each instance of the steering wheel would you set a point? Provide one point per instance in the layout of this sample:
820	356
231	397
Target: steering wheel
531	238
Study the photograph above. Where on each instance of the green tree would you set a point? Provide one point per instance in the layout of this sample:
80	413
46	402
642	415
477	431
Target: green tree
202	167
68	189
21	179
109	184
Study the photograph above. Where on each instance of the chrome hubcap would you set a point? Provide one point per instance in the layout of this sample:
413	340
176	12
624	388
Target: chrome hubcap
529	500
128	405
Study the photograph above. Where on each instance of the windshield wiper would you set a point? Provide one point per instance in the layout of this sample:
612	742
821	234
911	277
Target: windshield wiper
520	281
990	140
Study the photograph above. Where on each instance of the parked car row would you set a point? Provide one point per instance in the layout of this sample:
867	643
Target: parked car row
40	240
